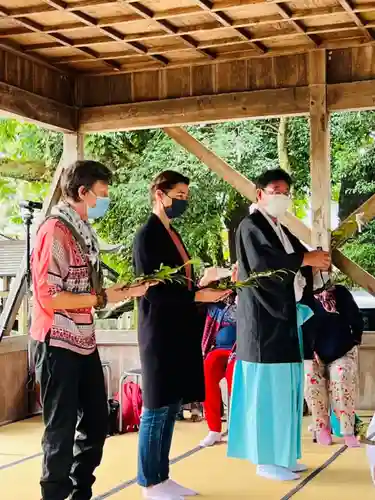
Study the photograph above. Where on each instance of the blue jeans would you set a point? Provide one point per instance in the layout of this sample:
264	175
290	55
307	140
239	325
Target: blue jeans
155	439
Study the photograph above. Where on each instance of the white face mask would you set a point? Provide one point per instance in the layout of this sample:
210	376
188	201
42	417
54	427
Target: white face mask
277	205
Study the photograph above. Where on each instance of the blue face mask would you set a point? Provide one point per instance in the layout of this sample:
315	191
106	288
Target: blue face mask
100	209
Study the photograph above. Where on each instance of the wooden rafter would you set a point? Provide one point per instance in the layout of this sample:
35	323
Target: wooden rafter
168	27
227	22
356	18
287	15
109	32
182	32
59	38
262	33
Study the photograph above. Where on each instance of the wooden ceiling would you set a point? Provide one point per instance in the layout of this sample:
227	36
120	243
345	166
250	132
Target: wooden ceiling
107	36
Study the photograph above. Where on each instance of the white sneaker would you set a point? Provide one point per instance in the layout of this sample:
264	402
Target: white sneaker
276	473
181	490
211	439
160	492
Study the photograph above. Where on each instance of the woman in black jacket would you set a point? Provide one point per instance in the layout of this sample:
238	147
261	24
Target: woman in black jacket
169	336
331	377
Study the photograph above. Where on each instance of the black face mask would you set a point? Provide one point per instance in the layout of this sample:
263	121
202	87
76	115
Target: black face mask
177	208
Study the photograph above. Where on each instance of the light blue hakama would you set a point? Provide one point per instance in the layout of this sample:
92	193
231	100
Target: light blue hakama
266	413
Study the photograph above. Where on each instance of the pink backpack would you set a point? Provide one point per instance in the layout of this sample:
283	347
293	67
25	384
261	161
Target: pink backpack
131	406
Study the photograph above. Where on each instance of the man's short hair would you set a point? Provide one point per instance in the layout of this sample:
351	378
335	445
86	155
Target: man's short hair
274	175
83	173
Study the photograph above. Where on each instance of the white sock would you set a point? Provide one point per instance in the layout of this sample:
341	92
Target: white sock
276	472
211	439
181	490
161	491
299	468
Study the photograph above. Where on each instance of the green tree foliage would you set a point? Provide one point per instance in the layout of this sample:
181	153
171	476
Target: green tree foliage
250	147
29	156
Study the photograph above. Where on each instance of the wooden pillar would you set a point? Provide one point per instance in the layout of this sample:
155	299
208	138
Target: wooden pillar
319	151
73	151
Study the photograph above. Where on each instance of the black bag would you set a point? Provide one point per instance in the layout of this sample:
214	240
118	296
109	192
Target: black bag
114	407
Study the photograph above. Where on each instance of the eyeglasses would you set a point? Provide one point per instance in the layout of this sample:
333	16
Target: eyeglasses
288	195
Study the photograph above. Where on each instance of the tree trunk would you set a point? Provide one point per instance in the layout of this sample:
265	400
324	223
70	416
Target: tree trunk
282	149
282	144
232	222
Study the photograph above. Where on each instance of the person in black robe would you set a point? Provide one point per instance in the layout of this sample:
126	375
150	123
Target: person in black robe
267	397
169	336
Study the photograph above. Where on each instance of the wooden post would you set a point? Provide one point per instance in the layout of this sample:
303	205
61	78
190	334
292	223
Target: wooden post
73	151
319	151
243	185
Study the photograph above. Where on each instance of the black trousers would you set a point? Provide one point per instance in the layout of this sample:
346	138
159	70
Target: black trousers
75	414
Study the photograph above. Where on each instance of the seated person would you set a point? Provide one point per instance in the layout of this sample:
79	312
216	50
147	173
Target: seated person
218	346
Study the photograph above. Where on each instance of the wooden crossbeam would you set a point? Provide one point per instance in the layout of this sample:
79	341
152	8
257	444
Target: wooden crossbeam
297	16
349	226
243	185
185	31
190	110
41	110
136	42
354	271
59	38
110	32
169	28
297	25
73	150
227	22
357	20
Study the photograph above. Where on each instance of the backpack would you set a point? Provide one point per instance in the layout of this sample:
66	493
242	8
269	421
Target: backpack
132	406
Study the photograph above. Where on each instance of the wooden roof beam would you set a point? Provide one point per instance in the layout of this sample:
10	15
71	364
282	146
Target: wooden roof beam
183	11
61	39
167	26
356	18
110	32
163	16
86	42
287	15
227	22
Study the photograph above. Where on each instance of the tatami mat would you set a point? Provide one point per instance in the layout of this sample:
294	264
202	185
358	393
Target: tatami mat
208	471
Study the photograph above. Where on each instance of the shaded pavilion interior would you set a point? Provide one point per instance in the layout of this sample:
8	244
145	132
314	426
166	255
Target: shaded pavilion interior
85	66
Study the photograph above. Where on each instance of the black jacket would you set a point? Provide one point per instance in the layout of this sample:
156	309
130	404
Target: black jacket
266	317
169	332
337	333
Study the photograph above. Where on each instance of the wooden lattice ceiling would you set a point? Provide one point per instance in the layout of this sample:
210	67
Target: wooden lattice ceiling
99	36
